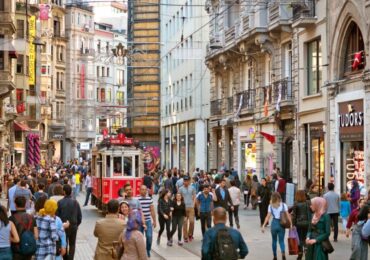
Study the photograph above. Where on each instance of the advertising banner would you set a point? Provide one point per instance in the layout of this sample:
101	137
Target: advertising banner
32	34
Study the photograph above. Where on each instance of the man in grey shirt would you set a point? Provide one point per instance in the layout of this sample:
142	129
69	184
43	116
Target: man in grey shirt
333	203
188	193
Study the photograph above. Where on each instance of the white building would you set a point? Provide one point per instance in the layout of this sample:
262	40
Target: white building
111	79
184	86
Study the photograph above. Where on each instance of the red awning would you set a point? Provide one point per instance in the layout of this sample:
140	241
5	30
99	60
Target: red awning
21	127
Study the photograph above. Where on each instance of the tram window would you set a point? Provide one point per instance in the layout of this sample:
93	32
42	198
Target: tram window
117	164
137	166
128	166
107	172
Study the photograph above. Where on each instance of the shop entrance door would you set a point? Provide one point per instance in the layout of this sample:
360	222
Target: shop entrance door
288	160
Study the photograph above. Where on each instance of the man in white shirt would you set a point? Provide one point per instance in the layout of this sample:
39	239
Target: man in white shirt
88	185
11	198
235	198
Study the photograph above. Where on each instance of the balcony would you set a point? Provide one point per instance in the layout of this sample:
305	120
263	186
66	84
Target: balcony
87	51
6	83
245	101
304	13
279	14
216	107
7	21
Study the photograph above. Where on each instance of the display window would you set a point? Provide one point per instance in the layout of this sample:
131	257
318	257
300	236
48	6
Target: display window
249	157
353	164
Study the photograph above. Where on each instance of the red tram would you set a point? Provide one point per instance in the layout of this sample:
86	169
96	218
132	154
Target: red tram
113	166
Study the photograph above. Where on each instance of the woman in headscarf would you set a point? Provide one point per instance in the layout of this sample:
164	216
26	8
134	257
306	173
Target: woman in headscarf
355	195
318	231
133	240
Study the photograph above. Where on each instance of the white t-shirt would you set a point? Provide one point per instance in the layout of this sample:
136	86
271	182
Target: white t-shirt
275	212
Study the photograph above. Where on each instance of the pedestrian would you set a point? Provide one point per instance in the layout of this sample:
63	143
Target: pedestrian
58	193
354	195
204	203
11	196
69	210
188	193
254	197
353	217
124	210
301	217
76	181
148	211
235	195
345	210
107	231
318	231
280	186
134	203
309	189
247	187
132	239
40	191
164	215
168	183
222	197
178	215
62	238
333	208
276	207
23	222
46	242
359	244
54	181
23	191
221	242
88	185
8	235
148	182
263	197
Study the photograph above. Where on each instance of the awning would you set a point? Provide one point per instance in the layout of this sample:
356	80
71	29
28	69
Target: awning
21	127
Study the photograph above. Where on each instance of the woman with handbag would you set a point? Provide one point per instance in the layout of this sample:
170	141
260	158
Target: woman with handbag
255	186
247	187
317	241
280	221
301	216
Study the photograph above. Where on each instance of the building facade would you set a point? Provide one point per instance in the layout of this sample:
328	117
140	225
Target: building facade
80	80
348	92
253	93
184	86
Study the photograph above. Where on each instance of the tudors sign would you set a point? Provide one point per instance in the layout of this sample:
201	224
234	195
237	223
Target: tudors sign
351	120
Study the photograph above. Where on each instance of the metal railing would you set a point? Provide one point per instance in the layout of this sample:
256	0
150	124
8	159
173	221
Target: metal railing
216	107
230	104
246	99
282	90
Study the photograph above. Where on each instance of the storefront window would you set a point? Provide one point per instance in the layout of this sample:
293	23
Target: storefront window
317	155
191	142
353	164
231	148
182	165
249	152
219	148
175	153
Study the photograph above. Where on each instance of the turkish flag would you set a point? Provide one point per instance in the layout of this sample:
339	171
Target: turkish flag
270	138
357	60
21	108
105	132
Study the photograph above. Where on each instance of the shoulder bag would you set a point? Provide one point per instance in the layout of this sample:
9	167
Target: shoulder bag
327	247
284	220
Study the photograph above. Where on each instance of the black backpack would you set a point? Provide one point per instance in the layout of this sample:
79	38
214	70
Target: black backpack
27	245
224	247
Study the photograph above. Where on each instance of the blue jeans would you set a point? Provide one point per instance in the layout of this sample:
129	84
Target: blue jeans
6	253
149	235
88	192
76	191
277	232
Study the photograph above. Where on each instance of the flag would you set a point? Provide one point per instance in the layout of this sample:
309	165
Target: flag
105	132
265	107
357	60
21	108
270	138
279	98
240	106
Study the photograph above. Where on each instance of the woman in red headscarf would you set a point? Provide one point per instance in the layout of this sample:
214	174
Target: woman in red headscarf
318	231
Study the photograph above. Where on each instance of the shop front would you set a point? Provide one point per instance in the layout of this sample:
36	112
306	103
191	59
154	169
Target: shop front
247	150
56	146
351	137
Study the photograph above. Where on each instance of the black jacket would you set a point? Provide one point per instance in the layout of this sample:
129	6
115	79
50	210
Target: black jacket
224	203
69	209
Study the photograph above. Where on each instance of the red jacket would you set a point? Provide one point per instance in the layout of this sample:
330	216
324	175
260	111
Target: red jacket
281	186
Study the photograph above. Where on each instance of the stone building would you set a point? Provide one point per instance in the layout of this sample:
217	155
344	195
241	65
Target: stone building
184	86
348	89
253	93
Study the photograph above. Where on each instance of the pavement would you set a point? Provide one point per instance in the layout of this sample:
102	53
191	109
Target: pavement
259	244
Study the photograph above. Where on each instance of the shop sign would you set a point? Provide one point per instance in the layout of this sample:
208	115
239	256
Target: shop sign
56	136
351	120
83	146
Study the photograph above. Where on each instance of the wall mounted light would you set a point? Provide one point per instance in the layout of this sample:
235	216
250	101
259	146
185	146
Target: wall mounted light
231	142
220	144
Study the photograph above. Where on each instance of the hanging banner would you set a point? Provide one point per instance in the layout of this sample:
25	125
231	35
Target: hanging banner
31	65
44	12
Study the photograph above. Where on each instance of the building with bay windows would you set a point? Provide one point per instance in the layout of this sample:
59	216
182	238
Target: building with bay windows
184	86
348	89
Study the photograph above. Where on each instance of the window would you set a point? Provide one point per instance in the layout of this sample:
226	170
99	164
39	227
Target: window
20	63
120	77
27	65
78	91
44	70
18	136
56	27
57	80
103	71
97	71
314	67
354	46
107	48
190	102
2	5
99	46
102	95
61	81
83	124
107	71
120	97
109	95
20	29
19	95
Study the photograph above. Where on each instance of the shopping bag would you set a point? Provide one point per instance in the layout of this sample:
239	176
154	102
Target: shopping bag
294	234
293	246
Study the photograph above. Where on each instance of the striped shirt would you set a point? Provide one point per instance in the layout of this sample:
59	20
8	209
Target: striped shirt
146	202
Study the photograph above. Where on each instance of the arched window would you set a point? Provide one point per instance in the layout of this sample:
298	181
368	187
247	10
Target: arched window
354	54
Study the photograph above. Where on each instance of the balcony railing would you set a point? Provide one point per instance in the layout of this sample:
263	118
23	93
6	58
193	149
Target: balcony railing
230	35
279	12
282	90
245	99
216	107
230	104
303	8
